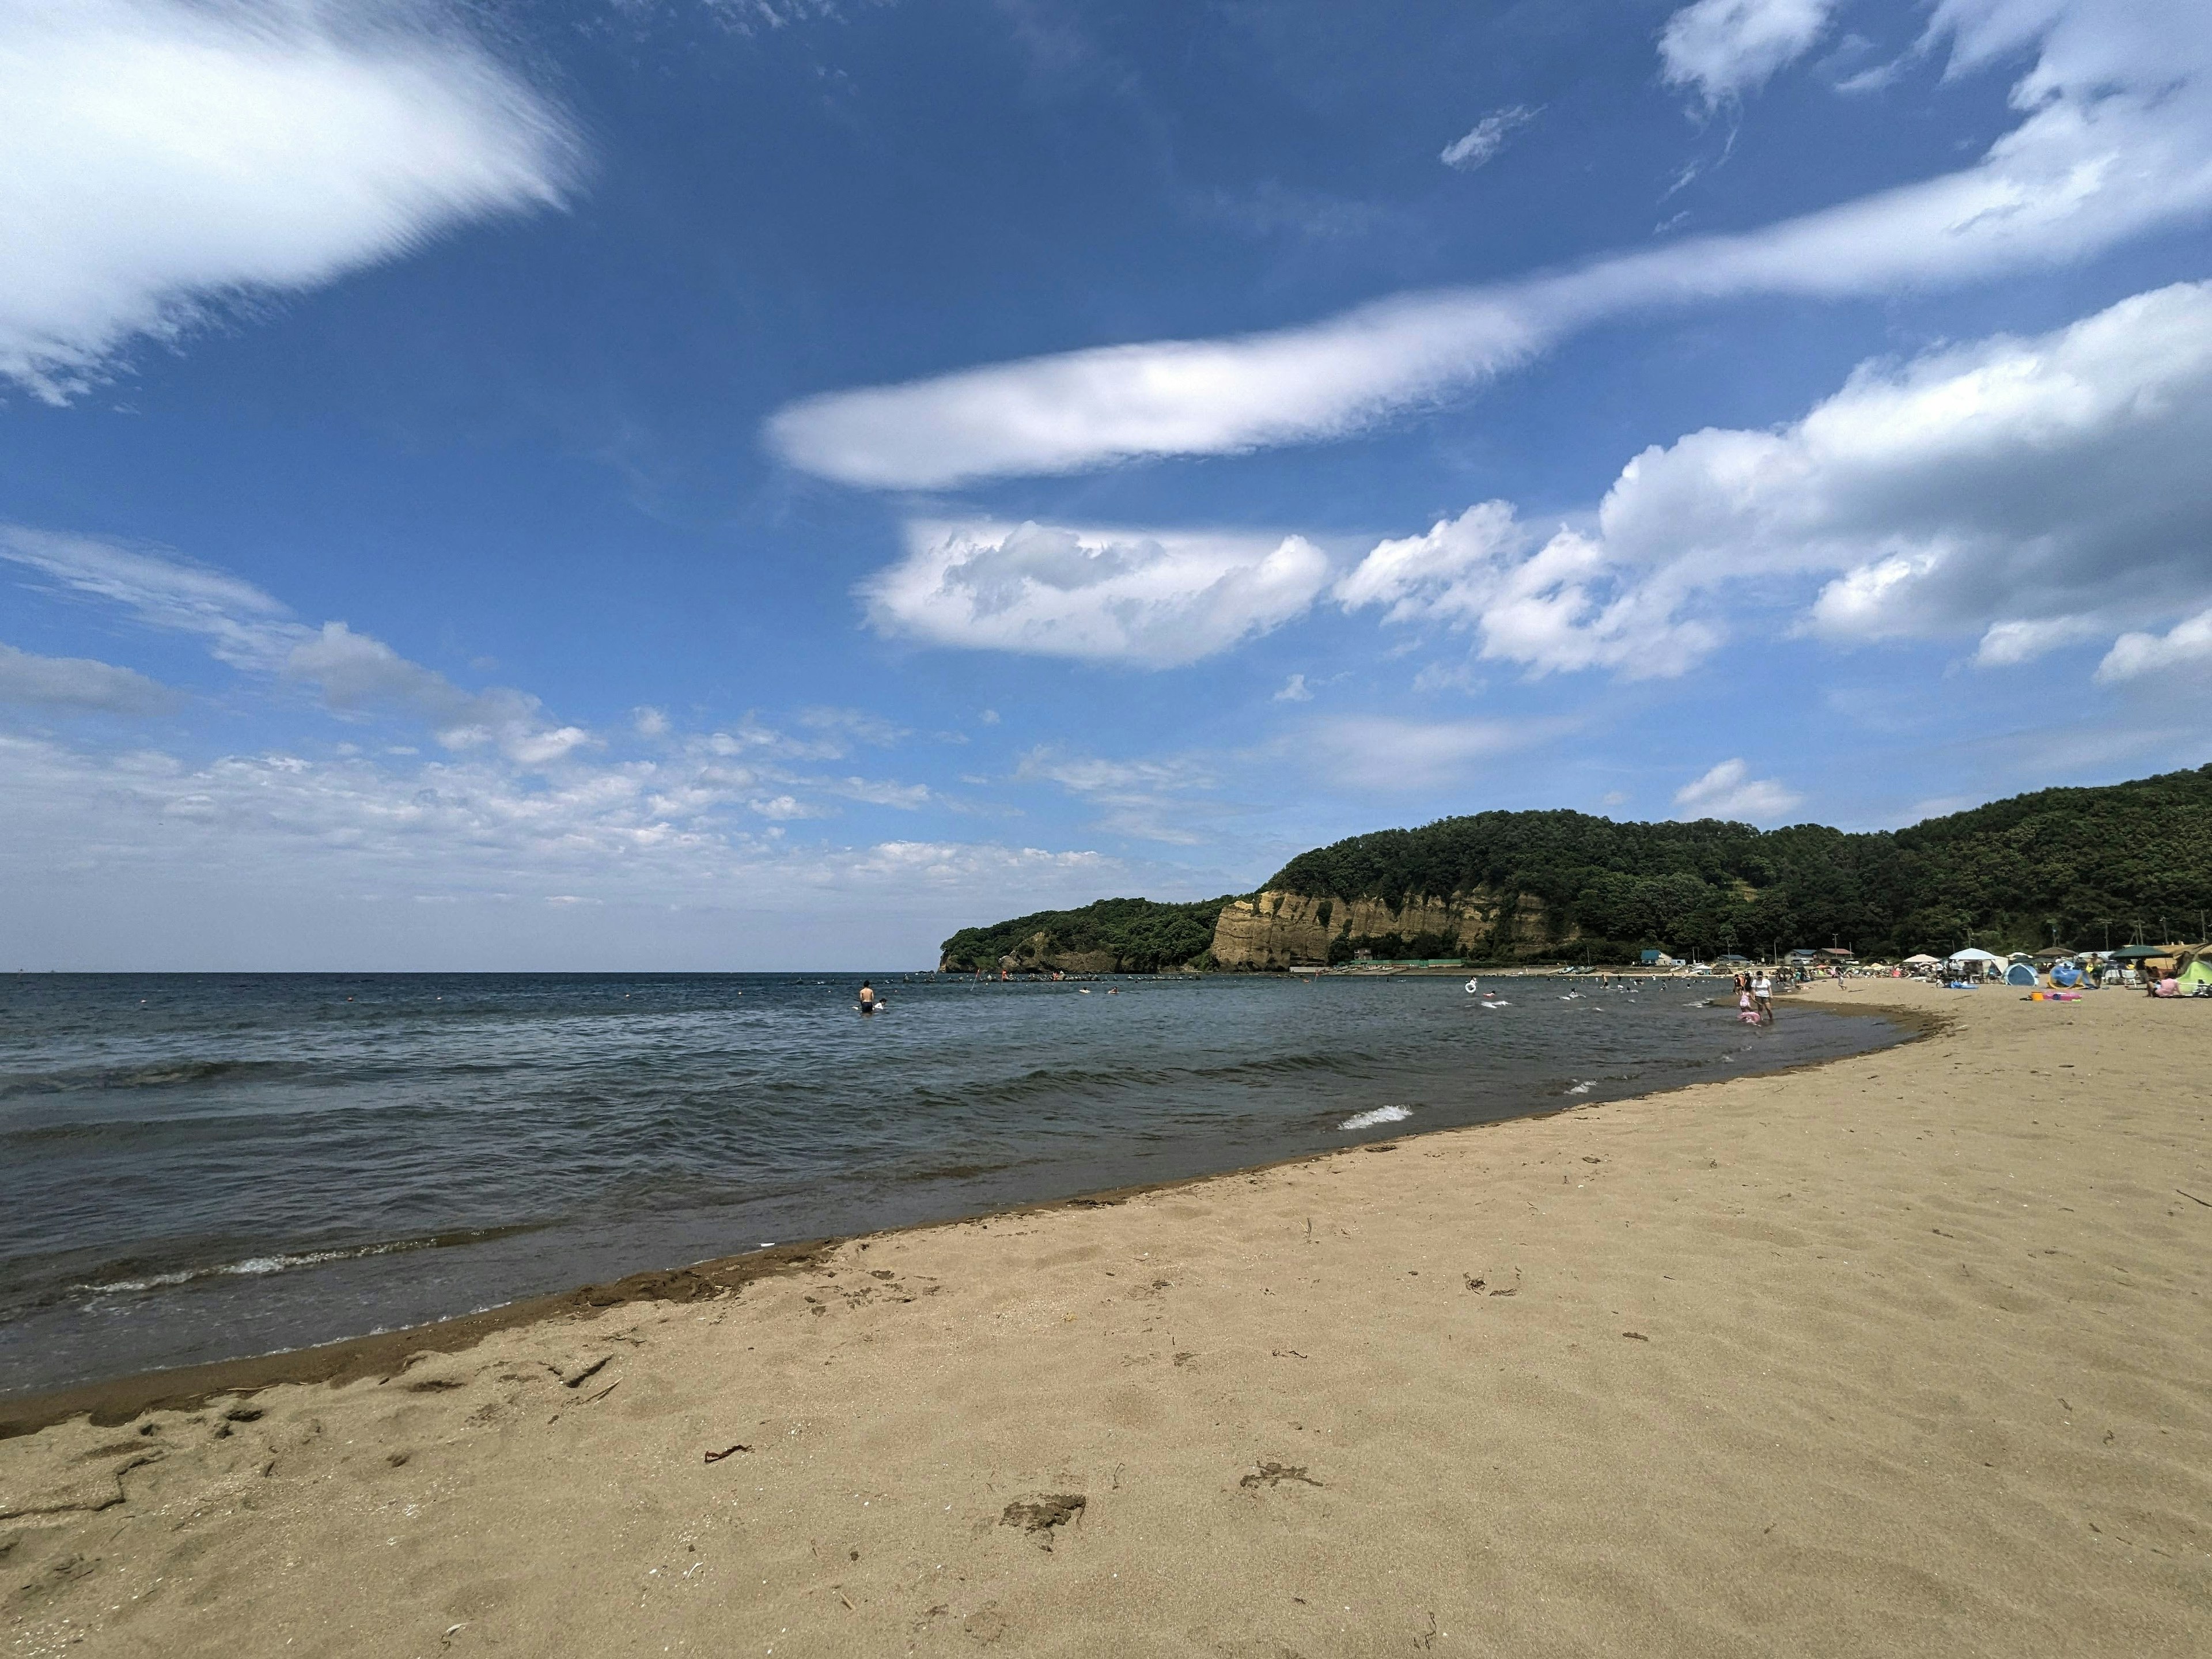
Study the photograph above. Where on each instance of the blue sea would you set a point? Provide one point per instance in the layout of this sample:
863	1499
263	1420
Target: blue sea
197	1167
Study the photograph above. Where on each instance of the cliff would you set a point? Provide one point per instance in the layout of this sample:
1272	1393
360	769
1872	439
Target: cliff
1275	929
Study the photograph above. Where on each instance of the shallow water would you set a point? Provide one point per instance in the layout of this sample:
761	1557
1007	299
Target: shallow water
194	1166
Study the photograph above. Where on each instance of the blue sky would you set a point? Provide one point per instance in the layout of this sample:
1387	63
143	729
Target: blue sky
665	484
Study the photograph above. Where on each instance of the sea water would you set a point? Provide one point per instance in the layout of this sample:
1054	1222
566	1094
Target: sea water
197	1167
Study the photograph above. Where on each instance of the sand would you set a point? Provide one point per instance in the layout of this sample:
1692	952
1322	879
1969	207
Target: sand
1906	1354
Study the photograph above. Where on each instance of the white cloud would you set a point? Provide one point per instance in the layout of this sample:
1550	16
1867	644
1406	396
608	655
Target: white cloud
2114	139
78	682
1158	599
1553	605
1726	48
161	157
2187	648
251	631
1383	755
635	831
2036	492
1295	690
1167	800
1486	138
1729	791
246	629
871	792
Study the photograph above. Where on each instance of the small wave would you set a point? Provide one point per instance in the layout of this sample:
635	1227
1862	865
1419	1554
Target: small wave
1584	1087
1380	1114
257	1266
151	1074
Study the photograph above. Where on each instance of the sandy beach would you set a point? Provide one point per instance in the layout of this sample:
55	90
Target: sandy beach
1909	1353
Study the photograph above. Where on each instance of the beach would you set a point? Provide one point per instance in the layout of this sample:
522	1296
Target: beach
1907	1353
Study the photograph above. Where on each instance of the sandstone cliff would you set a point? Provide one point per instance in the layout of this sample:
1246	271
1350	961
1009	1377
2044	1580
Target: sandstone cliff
1279	930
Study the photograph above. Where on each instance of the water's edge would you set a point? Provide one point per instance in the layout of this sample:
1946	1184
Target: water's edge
383	1354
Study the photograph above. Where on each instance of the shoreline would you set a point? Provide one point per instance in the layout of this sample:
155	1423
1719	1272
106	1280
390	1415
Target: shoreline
114	1402
1899	1355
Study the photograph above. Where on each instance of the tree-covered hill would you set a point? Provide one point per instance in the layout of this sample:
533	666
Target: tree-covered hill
2083	868
1140	936
2078	864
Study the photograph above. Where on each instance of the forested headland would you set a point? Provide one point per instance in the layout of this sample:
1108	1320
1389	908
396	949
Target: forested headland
2082	868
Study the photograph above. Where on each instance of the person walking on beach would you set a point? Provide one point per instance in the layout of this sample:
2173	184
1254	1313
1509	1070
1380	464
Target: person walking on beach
1762	992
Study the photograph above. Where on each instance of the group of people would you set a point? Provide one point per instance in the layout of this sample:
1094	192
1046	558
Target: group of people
1754	999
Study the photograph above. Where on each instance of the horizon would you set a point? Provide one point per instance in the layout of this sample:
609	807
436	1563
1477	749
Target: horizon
594	486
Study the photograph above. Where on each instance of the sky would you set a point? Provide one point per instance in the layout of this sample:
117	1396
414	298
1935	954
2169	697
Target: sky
657	484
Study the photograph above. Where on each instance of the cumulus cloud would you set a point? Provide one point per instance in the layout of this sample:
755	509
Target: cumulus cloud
1486	138
1725	48
2114	139
1156	598
2035	492
1295	690
78	684
2187	648
161	157
1551	604
1729	791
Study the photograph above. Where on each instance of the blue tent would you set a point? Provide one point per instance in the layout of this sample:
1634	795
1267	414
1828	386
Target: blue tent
2020	973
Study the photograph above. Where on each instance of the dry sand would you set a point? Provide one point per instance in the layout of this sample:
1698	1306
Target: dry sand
1907	1354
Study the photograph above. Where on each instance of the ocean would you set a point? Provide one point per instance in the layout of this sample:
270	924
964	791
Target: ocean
201	1166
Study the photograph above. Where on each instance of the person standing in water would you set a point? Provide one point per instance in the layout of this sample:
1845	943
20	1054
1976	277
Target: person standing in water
867	998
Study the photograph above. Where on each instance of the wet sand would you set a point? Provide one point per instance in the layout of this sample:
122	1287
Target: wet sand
1908	1353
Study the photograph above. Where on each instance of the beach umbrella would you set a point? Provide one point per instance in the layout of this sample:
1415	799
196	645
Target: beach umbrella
2138	953
1924	960
1970	954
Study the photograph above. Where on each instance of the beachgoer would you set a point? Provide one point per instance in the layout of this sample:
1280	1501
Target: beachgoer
867	998
1762	993
1744	1009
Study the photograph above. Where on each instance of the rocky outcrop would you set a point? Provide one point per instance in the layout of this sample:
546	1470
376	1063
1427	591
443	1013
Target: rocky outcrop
1285	930
1038	954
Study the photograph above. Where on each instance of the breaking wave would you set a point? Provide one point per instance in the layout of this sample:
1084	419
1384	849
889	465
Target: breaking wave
1369	1120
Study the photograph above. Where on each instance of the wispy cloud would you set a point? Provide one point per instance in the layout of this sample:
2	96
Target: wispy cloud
1725	48
1486	138
250	630
161	157
2114	139
1170	799
1384	754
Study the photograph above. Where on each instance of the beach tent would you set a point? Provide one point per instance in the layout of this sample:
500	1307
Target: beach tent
2198	972
1972	955
2020	973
